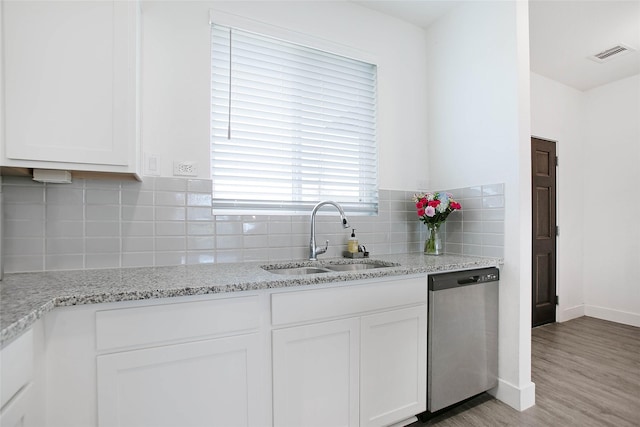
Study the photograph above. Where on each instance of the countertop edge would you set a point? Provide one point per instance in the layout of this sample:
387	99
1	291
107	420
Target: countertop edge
15	329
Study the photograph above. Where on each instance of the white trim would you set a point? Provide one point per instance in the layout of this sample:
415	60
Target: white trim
618	316
237	21
405	422
518	398
571	313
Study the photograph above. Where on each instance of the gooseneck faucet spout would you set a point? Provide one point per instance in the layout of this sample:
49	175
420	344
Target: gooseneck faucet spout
314	251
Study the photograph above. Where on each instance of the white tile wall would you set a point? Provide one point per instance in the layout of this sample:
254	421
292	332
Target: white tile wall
166	221
478	228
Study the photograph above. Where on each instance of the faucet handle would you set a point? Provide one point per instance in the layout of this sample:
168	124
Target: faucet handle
320	250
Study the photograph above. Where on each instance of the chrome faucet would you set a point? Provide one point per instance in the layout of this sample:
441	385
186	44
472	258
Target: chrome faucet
314	251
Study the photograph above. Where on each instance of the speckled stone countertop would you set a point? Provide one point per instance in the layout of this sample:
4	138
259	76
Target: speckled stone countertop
25	297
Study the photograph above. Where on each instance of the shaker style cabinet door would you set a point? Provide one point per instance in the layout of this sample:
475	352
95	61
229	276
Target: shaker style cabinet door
70	84
204	383
19	411
393	382
315	375
18	404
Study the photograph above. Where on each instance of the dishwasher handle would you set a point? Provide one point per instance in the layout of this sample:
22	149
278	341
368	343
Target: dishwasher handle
456	279
468	280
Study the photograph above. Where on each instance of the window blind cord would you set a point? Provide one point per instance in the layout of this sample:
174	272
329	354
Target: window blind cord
229	113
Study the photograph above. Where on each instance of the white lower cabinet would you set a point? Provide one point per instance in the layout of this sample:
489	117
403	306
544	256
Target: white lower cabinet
393	368
19	411
185	361
315	375
21	403
349	354
366	368
16	365
205	383
188	364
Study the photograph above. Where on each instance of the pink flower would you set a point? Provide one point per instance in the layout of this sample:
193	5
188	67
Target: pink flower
420	212
430	211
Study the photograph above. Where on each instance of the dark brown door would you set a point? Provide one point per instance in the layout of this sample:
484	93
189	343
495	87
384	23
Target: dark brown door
543	182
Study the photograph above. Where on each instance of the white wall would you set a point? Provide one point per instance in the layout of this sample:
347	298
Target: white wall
557	114
479	132
176	79
598	141
611	203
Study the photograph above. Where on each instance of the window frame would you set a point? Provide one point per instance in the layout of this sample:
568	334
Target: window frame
245	24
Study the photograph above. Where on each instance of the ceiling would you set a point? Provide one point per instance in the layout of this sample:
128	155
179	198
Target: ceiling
562	35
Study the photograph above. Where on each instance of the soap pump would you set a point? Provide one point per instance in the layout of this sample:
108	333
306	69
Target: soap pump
352	245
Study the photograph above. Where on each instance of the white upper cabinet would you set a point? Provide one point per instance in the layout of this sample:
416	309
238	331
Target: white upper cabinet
69	85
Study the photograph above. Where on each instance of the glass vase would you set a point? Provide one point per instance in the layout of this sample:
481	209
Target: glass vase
433	244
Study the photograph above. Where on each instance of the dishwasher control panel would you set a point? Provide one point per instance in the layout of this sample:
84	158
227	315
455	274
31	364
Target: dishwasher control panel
438	282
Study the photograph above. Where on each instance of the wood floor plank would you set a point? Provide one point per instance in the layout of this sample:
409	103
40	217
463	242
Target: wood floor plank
586	371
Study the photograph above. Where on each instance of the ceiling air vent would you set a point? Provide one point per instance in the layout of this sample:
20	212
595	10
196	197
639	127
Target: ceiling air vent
611	53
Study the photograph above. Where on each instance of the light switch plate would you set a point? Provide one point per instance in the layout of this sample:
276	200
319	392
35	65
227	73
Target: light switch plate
151	165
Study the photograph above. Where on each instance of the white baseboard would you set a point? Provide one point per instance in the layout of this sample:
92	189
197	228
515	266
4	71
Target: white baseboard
571	313
624	317
518	398
405	422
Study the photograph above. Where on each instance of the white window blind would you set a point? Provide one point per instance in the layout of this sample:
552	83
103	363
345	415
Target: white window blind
290	126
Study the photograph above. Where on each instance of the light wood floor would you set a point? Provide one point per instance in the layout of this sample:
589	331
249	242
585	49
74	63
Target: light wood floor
586	371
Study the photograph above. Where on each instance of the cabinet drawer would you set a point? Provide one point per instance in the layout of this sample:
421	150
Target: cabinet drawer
318	304
16	365
160	324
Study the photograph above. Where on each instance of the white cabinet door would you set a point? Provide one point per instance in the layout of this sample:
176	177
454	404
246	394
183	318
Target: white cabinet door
70	84
16	366
20	380
204	383
393	381
19	412
315	375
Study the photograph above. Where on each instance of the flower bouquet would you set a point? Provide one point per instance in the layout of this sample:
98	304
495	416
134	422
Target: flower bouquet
433	209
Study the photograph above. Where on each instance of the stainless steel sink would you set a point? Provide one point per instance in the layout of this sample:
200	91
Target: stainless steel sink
355	267
327	267
293	271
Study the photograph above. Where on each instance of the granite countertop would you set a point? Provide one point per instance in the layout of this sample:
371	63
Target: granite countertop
25	297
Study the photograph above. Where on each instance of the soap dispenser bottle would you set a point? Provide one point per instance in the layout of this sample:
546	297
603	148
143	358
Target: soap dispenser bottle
352	244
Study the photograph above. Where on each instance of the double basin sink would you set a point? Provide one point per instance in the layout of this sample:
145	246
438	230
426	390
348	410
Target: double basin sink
327	267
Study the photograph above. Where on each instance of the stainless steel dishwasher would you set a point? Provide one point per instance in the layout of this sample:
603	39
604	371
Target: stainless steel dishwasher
462	344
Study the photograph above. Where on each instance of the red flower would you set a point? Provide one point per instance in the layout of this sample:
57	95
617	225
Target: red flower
419	205
420	212
434	203
455	205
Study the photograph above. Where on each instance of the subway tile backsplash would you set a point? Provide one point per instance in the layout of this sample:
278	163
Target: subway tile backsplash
478	228
168	221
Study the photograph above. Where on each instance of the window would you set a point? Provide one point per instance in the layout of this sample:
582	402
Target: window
290	126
